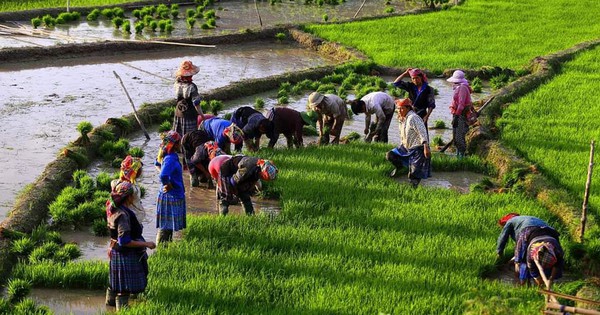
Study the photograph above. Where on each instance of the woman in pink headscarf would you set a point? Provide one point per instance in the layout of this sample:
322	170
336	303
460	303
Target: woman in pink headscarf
420	93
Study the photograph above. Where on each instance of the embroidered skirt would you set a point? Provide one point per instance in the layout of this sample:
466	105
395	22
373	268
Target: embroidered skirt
170	212
128	271
418	165
183	126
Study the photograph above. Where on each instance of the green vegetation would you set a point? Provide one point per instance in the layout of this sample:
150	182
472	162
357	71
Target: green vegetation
475	34
328	253
553	126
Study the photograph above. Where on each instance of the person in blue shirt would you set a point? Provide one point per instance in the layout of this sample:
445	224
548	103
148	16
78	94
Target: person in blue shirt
222	131
170	204
535	240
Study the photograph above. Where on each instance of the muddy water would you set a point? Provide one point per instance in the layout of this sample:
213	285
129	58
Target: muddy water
232	17
76	302
42	103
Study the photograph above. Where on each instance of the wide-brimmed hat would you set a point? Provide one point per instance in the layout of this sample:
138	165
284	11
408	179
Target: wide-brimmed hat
308	119
315	98
458	77
187	69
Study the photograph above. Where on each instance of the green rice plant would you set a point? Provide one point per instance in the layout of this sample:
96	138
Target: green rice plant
259	103
212	22
71	275
17	290
137	13
136	152
48	20
116	162
320	2
5	307
88	211
117	22
93	15
108	13
190	13
162	25
215	106
44	252
84	128
103	180
169	28
68	199
126	27
153	25
350	113
174	6
437	141
139	27
283	100
325	17
285	86
498	41
309	131
282	92
167	113
118	12
439	124
28	306
175	13
78	175
22	247
280	36
147	20
190	21
337	78
106	135
41	234
499	81
36	22
99	227
68	252
389	10
328	88
165	126
111	149
200	11
477	85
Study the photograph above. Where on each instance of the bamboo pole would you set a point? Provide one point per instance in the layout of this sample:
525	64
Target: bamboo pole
571	309
361	6
586	195
258	13
68	5
570	297
133	106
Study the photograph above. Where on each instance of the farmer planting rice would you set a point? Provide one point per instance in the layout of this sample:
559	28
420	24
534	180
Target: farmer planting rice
331	112
237	176
198	149
253	124
223	132
188	100
288	122
170	204
536	243
414	150
419	92
461	101
380	104
128	259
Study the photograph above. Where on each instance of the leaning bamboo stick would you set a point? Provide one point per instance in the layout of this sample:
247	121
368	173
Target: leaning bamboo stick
570	297
571	309
133	106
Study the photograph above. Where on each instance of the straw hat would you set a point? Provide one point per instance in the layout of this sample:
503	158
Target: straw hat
458	77
315	98
187	69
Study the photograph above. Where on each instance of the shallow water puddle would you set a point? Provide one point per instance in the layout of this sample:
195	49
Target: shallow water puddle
457	181
42	103
76	302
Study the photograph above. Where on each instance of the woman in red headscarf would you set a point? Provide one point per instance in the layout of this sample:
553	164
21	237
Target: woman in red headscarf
420	93
131	169
170	205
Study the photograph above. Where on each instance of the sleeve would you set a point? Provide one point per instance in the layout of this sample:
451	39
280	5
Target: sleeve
196	98
380	118
123	230
199	155
431	98
503	238
367	121
463	99
419	126
167	169
402	85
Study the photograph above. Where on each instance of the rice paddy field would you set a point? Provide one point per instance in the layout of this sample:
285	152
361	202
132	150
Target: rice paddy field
504	33
20	5
553	125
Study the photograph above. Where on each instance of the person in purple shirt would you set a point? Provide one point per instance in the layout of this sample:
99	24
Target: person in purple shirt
224	132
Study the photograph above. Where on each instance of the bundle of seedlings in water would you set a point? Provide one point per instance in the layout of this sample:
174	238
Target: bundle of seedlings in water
190	21
163	25
190	13
439	124
210	14
117	22
17	290
84	128
48	20
136	152
103	180
126	27
75	154
227	116
389	10
215	106
165	126
139	27
280	36
352	136
36	22
66	17
259	103
111	149
327	88
283	100
477	85
437	141
325	17
123	124
93	15
107	13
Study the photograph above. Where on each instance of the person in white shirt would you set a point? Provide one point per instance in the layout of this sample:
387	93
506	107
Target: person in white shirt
380	104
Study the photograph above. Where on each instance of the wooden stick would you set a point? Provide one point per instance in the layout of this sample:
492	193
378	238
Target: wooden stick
144	71
478	113
550	297
586	195
133	106
571	309
258	13
361	6
570	297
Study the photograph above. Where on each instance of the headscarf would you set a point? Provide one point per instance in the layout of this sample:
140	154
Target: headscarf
234	133
417	72
268	171
168	141
130	168
213	149
118	196
403	102
504	219
544	253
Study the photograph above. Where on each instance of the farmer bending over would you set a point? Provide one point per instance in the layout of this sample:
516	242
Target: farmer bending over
253	124
380	104
331	112
237	176
535	241
223	132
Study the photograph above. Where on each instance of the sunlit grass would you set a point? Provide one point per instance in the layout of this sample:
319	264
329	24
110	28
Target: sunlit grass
348	240
553	126
505	33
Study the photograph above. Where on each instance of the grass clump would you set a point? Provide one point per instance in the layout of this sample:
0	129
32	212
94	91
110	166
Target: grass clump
17	290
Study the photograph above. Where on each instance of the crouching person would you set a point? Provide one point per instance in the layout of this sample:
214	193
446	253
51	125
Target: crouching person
128	259
413	151
237	177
